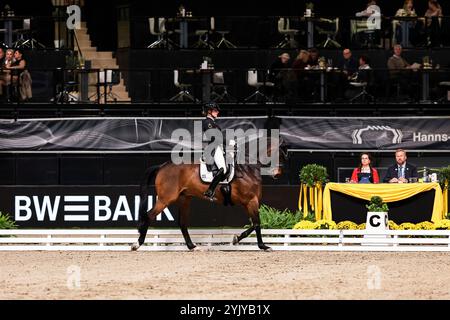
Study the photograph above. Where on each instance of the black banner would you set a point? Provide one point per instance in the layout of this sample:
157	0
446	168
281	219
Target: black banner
117	207
366	133
151	134
122	134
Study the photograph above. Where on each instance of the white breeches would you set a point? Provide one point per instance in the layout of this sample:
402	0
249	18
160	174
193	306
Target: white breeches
219	159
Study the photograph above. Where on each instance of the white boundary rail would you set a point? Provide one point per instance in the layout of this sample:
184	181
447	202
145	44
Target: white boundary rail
220	240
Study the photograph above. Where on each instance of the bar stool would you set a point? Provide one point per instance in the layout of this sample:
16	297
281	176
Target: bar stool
252	80
205	42
289	34
162	33
446	86
183	94
220	89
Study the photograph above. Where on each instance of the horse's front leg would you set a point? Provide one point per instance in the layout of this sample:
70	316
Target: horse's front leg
184	203
253	213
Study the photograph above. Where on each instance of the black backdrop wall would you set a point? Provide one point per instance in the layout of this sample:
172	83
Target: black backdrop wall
127	169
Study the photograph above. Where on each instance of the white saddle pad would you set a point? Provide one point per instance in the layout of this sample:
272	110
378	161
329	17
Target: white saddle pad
207	176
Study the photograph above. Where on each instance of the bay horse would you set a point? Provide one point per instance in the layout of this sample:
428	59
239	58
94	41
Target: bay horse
179	183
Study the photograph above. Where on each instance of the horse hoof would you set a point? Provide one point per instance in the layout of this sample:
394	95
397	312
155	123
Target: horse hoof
266	249
135	246
235	240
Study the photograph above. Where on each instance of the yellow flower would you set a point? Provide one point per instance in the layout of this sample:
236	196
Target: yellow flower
305	225
426	225
362	226
442	225
347	225
393	225
407	226
325	225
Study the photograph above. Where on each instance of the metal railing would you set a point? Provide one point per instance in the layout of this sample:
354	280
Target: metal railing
237	86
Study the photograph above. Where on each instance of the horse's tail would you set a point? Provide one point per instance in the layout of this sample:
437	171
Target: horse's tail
149	175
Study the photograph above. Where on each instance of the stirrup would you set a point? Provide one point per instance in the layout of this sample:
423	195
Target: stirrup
210	195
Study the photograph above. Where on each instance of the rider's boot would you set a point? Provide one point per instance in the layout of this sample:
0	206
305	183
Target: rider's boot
212	187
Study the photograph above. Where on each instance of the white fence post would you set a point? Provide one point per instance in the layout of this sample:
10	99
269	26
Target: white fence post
49	236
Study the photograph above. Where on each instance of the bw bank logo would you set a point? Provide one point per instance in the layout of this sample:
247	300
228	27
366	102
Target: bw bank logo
384	131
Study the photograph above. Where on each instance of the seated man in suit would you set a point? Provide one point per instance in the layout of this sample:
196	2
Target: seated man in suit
401	171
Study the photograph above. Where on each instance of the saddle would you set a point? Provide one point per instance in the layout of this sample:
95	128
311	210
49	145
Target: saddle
207	173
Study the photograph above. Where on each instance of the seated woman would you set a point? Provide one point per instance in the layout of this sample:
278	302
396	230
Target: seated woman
407	11
365	173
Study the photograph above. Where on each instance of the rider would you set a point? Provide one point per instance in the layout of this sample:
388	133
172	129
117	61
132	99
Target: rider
211	111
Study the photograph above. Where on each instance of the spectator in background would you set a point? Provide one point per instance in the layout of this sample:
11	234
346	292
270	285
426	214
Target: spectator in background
304	85
313	58
365	173
401	171
2	57
2	73
397	66
370	37
362	75
434	10
5	75
433	23
300	63
407	11
348	64
21	79
367	12
282	62
397	62
280	75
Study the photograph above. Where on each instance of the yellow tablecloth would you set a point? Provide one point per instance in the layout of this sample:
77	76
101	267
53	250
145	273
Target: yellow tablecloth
390	192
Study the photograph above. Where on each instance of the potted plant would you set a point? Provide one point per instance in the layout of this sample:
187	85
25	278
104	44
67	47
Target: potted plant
313	174
444	177
377	215
312	179
377	205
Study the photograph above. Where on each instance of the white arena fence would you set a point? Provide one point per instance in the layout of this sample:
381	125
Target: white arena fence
220	240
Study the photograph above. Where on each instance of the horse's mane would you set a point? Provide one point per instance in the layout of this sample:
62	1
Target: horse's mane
247	168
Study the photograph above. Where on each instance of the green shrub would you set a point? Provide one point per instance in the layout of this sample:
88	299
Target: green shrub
444	176
6	222
377	205
312	174
272	218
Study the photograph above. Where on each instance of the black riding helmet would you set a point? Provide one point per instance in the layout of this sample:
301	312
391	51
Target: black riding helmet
210	106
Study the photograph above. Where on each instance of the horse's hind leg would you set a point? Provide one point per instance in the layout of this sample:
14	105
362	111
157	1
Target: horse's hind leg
144	221
243	235
183	219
